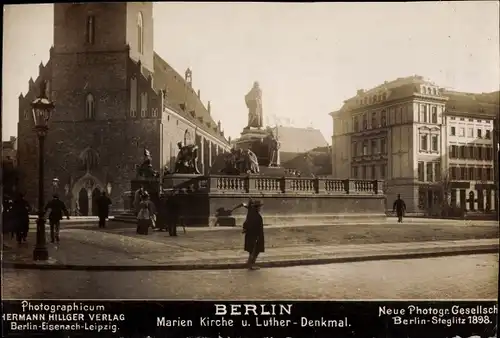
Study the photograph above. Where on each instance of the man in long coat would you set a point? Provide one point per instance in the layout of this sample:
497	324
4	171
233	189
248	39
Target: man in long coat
103	203
57	209
21	210
254	233
400	207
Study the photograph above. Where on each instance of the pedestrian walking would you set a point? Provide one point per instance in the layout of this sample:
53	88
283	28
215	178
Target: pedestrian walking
138	198
253	228
172	206
400	207
103	203
21	212
57	209
145	216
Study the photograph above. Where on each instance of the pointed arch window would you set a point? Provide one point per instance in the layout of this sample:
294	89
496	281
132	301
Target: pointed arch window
144	104
140	33
90	107
90	29
133	96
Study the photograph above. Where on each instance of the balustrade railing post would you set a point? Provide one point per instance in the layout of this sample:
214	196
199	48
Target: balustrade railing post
347	186
212	184
252	181
247	184
374	187
283	184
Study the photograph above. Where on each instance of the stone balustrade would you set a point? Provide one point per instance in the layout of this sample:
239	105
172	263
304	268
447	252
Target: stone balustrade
291	185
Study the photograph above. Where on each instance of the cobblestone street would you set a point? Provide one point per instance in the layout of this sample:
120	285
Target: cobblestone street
460	277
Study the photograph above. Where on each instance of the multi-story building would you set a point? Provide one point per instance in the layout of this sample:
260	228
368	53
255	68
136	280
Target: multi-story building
9	152
114	97
398	132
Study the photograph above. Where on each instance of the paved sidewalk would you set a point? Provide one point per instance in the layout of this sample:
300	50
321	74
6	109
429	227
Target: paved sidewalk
101	251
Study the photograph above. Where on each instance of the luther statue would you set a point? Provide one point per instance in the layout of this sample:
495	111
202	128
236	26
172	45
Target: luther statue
253	101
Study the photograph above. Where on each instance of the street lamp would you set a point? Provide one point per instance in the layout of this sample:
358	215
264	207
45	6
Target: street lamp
42	110
108	188
55	184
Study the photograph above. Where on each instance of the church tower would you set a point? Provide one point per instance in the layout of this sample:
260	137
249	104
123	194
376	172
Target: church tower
94	141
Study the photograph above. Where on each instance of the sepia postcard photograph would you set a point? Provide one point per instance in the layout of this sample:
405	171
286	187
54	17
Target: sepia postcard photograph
233	151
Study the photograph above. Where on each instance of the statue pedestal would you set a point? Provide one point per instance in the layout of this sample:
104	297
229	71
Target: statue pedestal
258	142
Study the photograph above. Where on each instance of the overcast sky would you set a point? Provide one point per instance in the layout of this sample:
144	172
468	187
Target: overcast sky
307	57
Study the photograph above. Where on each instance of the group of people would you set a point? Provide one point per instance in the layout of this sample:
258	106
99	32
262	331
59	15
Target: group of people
16	219
146	213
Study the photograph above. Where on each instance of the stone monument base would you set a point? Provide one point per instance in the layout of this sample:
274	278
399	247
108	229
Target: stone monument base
210	200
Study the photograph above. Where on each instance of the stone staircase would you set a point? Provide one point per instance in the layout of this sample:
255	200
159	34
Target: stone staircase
124	217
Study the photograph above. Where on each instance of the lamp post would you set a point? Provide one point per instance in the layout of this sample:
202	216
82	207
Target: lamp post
42	110
55	184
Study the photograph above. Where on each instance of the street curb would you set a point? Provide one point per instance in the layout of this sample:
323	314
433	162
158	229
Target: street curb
442	252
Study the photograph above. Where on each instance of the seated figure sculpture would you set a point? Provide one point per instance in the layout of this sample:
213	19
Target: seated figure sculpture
187	159
241	161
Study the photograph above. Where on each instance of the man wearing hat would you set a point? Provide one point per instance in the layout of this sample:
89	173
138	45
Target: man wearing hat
253	228
57	209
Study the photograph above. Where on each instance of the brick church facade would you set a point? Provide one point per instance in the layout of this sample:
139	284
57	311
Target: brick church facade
114	97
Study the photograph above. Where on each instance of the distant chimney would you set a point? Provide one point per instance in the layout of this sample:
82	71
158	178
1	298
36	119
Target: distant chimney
199	92
209	108
218	126
229	139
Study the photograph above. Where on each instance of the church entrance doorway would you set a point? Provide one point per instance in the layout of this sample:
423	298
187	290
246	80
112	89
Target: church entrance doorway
83	202
95	195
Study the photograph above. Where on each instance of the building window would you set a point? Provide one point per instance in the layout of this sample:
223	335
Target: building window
89	107
452	131
435	143
354	149
90	31
374	120
453	173
489	153
382	171
470	132
383	118
365	147
26	114
470	152
429	171
453	151
470	173
383	146
434	115
488	174
140	33
463	173
480	153
462	132
355	172
355	123
479	174
461	152
144	104
363	172
423	142
421	171
154	112
479	133
365	122
437	171
133	97
374	149
374	172
488	134
423	113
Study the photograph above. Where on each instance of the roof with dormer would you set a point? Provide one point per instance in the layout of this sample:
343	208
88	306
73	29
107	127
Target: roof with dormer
486	105
178	93
401	88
